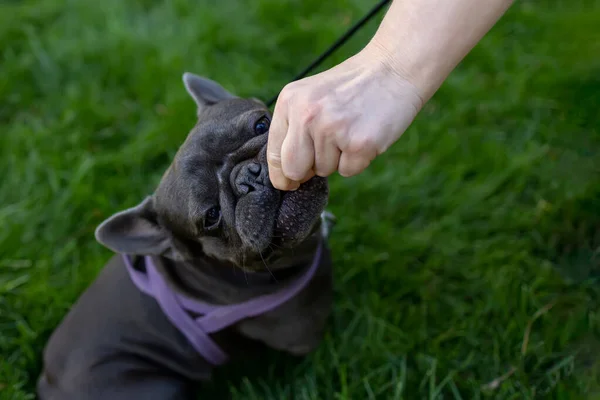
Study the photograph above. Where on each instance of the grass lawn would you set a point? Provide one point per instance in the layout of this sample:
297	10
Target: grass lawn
467	257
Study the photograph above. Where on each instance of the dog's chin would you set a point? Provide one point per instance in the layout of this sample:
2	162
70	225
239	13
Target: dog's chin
288	223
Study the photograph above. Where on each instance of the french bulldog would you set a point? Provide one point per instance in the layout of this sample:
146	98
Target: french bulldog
214	232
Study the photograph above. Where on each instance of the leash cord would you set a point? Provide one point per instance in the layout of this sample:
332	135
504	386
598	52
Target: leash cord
337	44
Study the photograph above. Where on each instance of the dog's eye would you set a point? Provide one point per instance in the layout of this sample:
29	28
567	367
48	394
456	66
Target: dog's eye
212	218
262	126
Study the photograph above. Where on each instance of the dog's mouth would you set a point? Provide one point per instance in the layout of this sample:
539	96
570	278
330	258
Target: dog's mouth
299	211
268	220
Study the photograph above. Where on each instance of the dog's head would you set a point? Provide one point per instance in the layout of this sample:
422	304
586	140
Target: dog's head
215	199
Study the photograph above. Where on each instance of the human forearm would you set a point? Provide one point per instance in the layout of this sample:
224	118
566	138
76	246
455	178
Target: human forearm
424	40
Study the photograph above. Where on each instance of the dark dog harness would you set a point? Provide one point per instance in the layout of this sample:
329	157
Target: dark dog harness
213	318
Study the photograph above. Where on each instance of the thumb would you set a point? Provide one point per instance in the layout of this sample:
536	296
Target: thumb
277	134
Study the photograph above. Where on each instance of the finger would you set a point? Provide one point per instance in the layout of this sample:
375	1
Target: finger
327	155
311	173
297	152
277	134
352	164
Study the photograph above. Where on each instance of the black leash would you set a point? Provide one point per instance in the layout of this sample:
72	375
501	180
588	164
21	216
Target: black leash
337	44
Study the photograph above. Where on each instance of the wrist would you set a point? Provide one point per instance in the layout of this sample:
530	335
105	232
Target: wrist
398	100
416	62
423	41
384	64
396	67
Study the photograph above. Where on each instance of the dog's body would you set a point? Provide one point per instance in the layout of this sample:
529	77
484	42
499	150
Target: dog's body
210	228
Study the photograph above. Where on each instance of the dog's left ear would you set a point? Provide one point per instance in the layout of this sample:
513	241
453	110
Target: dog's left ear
204	91
134	231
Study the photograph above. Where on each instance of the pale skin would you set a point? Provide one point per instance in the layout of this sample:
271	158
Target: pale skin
341	119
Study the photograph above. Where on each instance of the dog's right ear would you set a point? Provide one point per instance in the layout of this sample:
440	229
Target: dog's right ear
204	91
134	231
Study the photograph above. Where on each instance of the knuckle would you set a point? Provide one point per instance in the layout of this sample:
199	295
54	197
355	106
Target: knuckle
354	168
287	93
364	144
309	113
329	130
346	172
337	132
334	127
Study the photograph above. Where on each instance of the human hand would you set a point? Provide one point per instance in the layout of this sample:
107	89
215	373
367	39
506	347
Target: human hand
339	120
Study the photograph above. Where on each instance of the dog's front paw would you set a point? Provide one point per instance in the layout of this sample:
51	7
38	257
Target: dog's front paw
328	221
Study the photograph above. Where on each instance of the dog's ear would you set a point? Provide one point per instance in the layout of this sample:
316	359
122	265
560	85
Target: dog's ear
204	91
134	231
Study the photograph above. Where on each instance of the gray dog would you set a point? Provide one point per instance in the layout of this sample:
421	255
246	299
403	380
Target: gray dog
214	261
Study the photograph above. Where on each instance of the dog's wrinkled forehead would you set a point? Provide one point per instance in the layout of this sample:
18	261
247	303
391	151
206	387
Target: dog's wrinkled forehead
224	127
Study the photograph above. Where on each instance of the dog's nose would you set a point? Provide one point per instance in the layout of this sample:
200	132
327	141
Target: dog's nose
249	178
254	168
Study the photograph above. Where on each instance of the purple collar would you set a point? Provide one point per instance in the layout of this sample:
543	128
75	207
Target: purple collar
212	318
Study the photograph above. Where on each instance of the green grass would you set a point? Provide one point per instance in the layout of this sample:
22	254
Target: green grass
469	252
